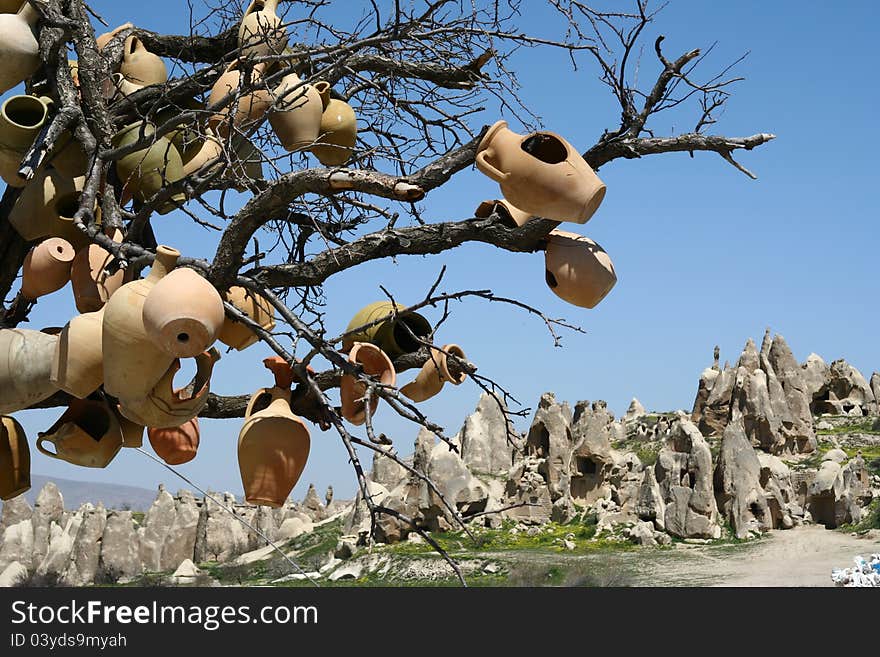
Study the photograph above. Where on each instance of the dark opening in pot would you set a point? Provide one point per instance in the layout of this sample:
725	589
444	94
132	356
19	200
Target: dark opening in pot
546	148
406	327
550	278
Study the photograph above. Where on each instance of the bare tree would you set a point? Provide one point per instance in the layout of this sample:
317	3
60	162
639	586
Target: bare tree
418	73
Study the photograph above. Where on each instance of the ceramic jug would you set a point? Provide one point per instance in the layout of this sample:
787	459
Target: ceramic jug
235	334
92	284
133	363
147	171
68	156
296	116
541	174
15	459
105	38
207	151
132	432
78	365
511	215
376	364
392	336
46	268
25	368
117	86
434	374
176	445
577	269
19	48
251	107
167	406
140	66
261	32
273	447
46	208
338	131
21	119
87	434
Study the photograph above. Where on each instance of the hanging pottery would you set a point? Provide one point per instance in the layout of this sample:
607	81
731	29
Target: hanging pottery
338	132
21	119
206	151
235	334
25	368
176	445
140	66
511	215
92	283
46	268
393	336
132	432
68	156
375	364
118	86
273	448
246	164
15	459
250	108
78	365
262	31
434	374
183	313
146	172
19	49
167	406
46	208
577	269
87	434
105	38
541	174
133	363
296	117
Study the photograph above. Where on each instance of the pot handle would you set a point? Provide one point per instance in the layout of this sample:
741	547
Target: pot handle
490	170
47	438
253	400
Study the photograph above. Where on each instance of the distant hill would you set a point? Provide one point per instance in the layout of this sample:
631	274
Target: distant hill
76	493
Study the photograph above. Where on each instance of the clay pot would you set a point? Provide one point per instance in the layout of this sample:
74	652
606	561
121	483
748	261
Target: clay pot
246	163
140	66
577	269
251	107
25	368
68	156
92	285
434	374
147	171
183	314
87	434
133	363
46	268
262	31
167	406
512	215
19	49
273	448
105	38
15	459
176	445
541	174
78	365
132	432
46	208
283	372
118	86
392	336
206	151
21	119
296	117
235	334
375	363
338	132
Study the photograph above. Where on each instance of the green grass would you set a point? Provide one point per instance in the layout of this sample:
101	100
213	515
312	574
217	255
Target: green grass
865	426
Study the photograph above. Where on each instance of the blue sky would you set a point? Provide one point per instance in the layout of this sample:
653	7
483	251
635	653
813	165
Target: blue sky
704	255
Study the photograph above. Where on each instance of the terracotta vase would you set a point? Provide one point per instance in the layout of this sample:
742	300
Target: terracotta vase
25	368
207	151
434	374
21	119
15	459
19	49
68	157
296	117
338	132
262	31
146	172
376	364
167	406
283	372
273	448
91	282
132	432
235	334
87	434
392	336
176	445
577	269
133	363
511	215
105	38
140	66
78	365
183	313
46	268
118	86
246	164
46	208
251	107
540	173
